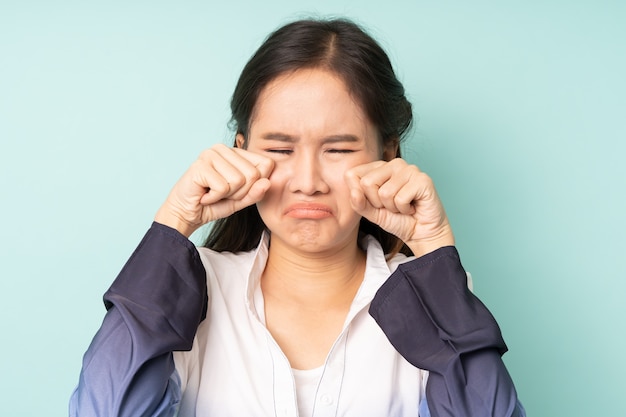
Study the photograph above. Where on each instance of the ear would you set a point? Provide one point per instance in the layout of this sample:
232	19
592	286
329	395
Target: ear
240	141
390	150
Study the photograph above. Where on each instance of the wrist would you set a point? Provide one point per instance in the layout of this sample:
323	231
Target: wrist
424	246
169	219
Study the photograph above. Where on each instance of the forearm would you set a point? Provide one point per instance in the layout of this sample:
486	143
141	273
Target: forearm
476	384
437	324
154	308
119	380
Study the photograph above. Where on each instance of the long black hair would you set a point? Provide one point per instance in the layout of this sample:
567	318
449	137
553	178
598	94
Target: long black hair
342	47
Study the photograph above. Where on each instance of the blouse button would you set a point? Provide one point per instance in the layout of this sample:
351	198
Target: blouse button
326	399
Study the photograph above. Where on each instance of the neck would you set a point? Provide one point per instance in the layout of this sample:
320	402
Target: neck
318	280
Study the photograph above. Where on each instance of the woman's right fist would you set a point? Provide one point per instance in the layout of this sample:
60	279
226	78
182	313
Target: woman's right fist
222	181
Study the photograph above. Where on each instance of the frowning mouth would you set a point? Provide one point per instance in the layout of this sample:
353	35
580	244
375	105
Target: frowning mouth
308	211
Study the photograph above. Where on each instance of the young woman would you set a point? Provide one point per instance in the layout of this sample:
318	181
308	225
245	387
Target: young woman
330	284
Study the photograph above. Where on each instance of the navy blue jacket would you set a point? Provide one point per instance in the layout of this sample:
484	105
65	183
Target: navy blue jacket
160	297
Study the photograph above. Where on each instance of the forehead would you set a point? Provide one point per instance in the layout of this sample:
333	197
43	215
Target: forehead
310	102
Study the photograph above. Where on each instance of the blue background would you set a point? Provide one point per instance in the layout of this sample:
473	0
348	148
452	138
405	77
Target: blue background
521	109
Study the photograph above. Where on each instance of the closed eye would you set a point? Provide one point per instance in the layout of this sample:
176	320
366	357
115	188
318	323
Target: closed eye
280	151
340	150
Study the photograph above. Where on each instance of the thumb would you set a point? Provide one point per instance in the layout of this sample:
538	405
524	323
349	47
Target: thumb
358	200
254	195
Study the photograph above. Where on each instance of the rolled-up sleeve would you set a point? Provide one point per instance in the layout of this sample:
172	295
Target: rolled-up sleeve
153	308
436	323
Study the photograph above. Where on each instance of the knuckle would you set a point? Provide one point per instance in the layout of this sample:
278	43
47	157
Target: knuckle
220	147
253	176
208	154
368	182
386	193
414	171
401	200
220	187
198	165
425	179
237	181
398	163
266	166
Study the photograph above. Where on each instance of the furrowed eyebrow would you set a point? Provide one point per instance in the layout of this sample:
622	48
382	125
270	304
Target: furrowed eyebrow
341	138
282	137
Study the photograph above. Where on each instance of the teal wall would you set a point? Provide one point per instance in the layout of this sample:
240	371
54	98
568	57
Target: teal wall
521	110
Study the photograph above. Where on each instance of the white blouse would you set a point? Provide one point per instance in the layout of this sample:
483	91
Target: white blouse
236	368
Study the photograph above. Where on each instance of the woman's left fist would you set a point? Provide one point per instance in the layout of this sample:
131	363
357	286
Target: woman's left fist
403	201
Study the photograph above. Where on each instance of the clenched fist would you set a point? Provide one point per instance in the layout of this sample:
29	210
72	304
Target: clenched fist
222	181
403	201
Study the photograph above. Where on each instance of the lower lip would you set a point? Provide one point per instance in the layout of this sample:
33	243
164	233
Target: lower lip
307	213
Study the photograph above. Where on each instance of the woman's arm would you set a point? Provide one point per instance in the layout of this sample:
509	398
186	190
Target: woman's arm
159	298
154	308
425	308
435	322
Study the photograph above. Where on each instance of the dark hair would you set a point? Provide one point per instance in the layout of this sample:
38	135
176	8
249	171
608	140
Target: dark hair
343	48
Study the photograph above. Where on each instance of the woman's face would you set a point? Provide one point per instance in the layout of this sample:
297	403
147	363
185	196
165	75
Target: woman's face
314	130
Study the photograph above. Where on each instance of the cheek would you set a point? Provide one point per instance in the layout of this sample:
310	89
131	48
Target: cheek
335	179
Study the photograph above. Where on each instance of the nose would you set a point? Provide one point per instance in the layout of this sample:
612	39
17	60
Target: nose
307	176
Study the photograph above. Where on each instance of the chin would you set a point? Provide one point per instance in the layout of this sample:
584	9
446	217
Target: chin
311	237
307	234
